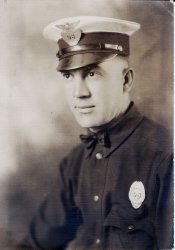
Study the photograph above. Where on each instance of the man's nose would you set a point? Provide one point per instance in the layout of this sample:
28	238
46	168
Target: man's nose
81	89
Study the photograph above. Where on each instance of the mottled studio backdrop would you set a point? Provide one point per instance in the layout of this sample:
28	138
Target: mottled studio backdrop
36	127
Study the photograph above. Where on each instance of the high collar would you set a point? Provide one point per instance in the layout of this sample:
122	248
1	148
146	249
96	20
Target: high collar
124	128
120	129
110	124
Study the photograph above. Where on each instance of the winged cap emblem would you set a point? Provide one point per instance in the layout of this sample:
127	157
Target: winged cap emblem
69	33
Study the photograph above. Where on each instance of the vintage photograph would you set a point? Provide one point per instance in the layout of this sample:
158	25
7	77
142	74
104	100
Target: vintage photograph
86	155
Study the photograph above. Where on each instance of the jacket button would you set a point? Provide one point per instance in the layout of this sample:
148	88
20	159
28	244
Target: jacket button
96	198
99	156
98	241
130	227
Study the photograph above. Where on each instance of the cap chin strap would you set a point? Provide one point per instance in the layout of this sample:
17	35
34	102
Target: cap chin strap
98	47
110	58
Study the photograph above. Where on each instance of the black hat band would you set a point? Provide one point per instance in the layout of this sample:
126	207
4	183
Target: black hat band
96	42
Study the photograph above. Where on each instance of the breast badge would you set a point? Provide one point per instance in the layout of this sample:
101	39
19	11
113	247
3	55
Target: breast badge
136	194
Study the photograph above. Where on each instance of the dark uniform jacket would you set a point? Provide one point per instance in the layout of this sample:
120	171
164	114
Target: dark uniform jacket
90	206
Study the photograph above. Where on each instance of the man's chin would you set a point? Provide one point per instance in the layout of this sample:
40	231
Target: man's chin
85	123
90	124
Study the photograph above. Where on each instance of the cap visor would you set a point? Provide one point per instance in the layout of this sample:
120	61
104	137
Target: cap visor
81	60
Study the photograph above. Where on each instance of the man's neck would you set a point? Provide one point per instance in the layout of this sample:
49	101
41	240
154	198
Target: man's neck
114	120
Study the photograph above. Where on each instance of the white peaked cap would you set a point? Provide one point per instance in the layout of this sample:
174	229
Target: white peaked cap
84	40
90	24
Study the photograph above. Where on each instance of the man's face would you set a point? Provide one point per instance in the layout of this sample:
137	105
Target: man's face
96	93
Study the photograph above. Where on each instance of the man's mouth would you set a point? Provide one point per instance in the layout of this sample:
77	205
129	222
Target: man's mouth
85	109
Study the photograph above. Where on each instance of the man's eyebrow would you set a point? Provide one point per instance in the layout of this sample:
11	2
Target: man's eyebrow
90	67
83	69
65	71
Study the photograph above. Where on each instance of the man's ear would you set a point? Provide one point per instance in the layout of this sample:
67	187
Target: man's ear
128	79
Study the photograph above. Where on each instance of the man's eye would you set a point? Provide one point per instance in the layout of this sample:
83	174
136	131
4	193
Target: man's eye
91	73
66	75
94	74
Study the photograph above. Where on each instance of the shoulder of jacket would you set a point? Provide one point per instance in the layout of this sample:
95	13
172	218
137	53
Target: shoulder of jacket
76	151
73	158
156	135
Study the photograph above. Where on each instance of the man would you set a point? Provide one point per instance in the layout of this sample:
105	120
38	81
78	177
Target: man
114	189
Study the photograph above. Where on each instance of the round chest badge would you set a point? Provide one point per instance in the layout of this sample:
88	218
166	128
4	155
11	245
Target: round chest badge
137	194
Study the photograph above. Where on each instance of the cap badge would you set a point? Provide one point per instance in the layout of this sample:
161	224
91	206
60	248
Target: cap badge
69	33
137	194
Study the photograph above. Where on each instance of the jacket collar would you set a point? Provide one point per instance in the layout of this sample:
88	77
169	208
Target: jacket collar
124	128
119	130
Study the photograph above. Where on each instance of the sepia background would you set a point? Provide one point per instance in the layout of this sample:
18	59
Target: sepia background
36	126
